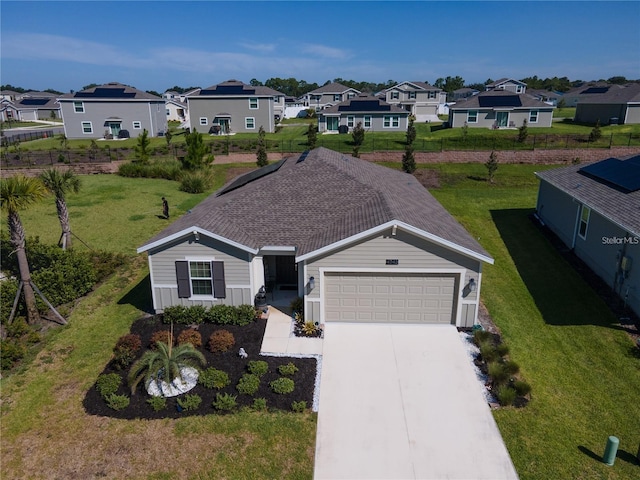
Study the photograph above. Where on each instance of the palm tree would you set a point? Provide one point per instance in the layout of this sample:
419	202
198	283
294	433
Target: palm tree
17	193
60	183
164	363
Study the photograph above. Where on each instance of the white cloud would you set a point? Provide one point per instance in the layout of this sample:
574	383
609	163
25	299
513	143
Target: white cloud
260	47
324	51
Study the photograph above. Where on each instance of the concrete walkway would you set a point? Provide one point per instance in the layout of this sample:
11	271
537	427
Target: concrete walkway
279	339
402	402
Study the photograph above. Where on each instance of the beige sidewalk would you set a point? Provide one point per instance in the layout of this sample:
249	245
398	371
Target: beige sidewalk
279	339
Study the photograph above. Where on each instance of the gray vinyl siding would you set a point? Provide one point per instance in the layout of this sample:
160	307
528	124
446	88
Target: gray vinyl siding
151	115
468	315
163	270
312	312
486	118
377	121
237	107
558	211
594	112
633	114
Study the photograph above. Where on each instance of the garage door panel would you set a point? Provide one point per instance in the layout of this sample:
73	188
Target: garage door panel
410	298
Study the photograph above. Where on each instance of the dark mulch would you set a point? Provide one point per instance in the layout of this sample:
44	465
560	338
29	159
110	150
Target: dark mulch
248	337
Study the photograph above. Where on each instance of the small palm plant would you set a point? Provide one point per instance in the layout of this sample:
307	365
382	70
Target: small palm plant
165	363
60	183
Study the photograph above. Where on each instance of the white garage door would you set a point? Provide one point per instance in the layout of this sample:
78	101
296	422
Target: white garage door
401	298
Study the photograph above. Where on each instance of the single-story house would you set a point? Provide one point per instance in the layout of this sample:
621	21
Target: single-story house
234	107
500	109
595	210
373	112
328	95
358	242
106	110
573	96
615	104
507	84
32	108
8	111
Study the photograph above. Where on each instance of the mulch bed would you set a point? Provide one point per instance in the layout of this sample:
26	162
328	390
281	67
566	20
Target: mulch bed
248	337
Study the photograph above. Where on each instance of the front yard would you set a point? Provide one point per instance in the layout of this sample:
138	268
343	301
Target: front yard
584	371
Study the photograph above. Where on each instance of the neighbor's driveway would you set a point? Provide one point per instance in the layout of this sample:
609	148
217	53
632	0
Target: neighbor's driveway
403	402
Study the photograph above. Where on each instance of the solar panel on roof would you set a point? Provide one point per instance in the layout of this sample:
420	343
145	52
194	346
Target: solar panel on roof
500	101
106	93
619	174
596	90
251	176
229	90
364	106
34	101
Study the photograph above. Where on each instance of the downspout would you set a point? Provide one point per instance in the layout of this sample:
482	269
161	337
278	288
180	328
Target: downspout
576	226
150	121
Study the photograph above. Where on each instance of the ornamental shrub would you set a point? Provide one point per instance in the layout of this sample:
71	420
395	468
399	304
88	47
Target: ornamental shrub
511	367
288	370
248	384
488	351
125	350
181	315
224	401
190	336
521	388
246	315
157	403
282	385
194	182
117	402
221	341
299	407
190	401
258	367
498	373
214	378
107	384
11	352
222	315
505	395
502	349
163	336
480	336
259	404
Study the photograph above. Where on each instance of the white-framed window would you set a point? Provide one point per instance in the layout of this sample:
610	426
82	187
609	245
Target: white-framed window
78	107
395	95
137	125
351	121
201	277
412	95
350	95
533	116
472	116
432	94
203	120
249	123
518	88
253	104
367	121
585	213
391	121
87	127
337	97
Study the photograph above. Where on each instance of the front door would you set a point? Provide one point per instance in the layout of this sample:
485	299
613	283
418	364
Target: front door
224	125
114	129
502	119
332	124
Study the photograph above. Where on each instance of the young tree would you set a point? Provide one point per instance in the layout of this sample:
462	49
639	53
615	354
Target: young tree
411	130
168	136
465	131
408	160
312	136
492	165
60	183
261	152
142	148
596	133
17	193
196	150
523	132
358	135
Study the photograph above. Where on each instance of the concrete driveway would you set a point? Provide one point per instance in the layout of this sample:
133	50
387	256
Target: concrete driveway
403	402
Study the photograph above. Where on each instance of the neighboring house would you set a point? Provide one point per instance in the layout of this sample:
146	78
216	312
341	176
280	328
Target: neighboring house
463	93
613	105
507	84
500	109
235	107
375	114
573	96
595	211
8	95
8	111
546	96
176	110
357	241
419	98
328	96
106	110
170	95
31	108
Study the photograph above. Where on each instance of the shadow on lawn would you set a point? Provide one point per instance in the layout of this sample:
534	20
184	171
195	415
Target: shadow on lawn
139	296
562	296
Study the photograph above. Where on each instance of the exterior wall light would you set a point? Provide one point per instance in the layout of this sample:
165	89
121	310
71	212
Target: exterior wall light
312	283
472	285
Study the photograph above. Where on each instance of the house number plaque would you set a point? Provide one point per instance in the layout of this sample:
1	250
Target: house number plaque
391	261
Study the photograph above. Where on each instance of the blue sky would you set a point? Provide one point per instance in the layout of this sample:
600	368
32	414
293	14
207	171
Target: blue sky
154	45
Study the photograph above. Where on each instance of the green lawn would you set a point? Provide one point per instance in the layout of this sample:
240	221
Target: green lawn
584	374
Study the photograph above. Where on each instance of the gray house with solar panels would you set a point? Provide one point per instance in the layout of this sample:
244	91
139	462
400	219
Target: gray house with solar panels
595	210
612	104
374	113
30	108
234	107
328	95
500	109
358	242
112	111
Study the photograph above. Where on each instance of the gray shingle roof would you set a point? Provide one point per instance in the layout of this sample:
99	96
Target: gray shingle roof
326	198
332	88
236	87
112	90
621	208
526	101
615	94
364	104
420	85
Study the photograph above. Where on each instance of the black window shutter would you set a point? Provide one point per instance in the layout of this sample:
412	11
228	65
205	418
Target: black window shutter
182	274
219	284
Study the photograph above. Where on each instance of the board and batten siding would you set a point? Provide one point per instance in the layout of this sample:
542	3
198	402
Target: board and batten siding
162	265
412	253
